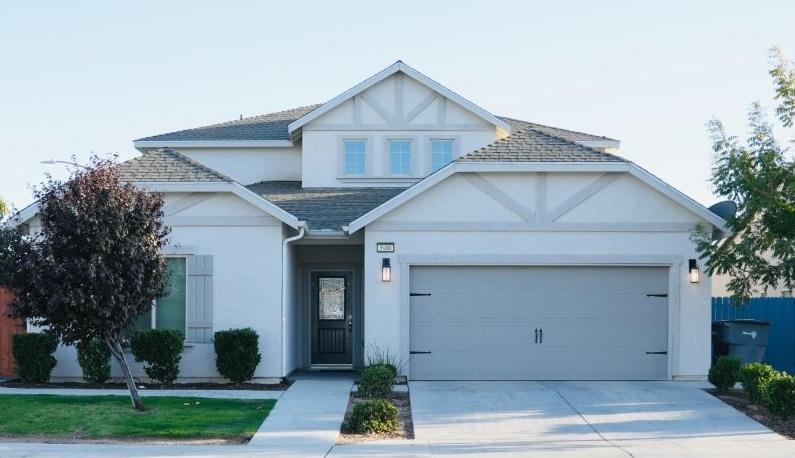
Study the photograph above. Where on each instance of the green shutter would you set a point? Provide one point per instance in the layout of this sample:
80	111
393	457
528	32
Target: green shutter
200	298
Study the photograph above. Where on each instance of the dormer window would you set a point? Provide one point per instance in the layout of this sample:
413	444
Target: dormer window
400	157
441	153
354	157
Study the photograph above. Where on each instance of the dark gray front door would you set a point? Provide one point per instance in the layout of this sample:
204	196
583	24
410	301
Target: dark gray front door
332	318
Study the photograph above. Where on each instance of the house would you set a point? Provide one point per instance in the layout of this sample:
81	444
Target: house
401	216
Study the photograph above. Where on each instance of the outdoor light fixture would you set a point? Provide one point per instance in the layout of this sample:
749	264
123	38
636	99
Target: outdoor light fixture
694	274
386	270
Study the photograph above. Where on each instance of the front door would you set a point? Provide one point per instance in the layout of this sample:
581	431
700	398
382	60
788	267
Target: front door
332	318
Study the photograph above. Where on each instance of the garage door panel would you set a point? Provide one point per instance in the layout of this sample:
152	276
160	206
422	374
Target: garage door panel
479	323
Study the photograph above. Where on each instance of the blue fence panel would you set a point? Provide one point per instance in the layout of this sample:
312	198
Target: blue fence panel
779	312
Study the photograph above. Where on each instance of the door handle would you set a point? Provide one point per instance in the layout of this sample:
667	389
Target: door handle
350	324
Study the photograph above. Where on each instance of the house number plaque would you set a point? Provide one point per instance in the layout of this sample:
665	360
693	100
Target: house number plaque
385	247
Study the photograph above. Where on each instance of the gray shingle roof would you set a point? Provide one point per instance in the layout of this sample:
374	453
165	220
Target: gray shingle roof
571	135
271	126
533	145
323	208
167	165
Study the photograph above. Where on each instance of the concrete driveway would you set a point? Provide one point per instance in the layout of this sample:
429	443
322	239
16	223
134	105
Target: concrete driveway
585	419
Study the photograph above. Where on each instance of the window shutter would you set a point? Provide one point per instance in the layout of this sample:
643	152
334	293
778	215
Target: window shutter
200	299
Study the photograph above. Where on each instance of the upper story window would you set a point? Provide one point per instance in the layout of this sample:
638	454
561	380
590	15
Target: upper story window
441	153
400	157
354	157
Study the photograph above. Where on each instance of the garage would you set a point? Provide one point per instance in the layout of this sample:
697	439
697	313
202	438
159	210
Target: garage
538	323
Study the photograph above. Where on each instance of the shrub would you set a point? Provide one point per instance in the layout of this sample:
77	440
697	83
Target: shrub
237	353
379	356
94	359
781	395
724	373
374	416
376	381
33	356
160	350
755	377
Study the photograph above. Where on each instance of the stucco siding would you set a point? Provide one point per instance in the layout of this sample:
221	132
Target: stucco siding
251	165
246	284
608	234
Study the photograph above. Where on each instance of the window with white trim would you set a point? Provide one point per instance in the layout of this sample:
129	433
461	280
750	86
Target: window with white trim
169	311
441	153
400	157
354	157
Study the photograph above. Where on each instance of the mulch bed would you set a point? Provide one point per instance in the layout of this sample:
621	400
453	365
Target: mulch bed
405	429
16	383
739	400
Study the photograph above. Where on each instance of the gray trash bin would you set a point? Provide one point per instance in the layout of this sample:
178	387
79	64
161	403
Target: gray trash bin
746	339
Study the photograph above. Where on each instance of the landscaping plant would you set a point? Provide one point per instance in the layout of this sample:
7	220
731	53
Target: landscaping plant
724	373
383	356
758	176
96	265
755	378
376	381
94	359
33	356
237	353
781	395
160	350
374	416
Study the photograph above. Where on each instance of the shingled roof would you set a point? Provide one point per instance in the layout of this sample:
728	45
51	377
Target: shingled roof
165	164
323	208
271	126
537	144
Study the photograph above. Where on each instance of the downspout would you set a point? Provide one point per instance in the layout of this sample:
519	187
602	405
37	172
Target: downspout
285	278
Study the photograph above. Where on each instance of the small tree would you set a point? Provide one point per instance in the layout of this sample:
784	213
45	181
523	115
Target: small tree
759	176
95	267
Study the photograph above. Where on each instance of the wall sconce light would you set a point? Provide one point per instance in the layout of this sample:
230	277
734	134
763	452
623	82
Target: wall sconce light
695	275
386	270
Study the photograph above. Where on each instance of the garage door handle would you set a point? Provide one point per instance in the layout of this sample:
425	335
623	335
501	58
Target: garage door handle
540	336
414	352
656	352
536	335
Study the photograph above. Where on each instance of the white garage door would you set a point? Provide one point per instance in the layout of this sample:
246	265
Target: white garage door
539	323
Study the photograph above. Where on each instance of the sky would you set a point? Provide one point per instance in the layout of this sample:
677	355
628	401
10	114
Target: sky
80	77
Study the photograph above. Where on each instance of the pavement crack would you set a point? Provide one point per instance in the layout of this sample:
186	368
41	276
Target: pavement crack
571	406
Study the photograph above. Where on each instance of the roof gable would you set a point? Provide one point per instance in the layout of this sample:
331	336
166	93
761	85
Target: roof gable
398	67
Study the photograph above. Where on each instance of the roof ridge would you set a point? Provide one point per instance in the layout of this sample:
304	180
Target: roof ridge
544	126
192	162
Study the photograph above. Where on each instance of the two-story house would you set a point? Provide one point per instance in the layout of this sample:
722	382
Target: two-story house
402	216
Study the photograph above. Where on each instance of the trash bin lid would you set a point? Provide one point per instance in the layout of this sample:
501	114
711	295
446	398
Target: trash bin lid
746	321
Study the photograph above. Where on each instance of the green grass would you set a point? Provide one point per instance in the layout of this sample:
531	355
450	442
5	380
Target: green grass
106	417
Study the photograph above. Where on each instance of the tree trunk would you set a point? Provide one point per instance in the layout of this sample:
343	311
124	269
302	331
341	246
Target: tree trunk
118	353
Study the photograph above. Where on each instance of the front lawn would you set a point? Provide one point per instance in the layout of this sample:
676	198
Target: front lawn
112	417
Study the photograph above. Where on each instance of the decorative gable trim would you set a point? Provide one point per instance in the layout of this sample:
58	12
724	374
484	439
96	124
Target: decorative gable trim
474	167
398	66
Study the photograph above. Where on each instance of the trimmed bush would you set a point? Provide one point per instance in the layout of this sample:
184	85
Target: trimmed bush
755	378
160	350
376	381
781	395
33	356
724	373
94	359
374	416
237	353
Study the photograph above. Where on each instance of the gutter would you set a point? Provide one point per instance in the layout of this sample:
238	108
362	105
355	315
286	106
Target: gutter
285	242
